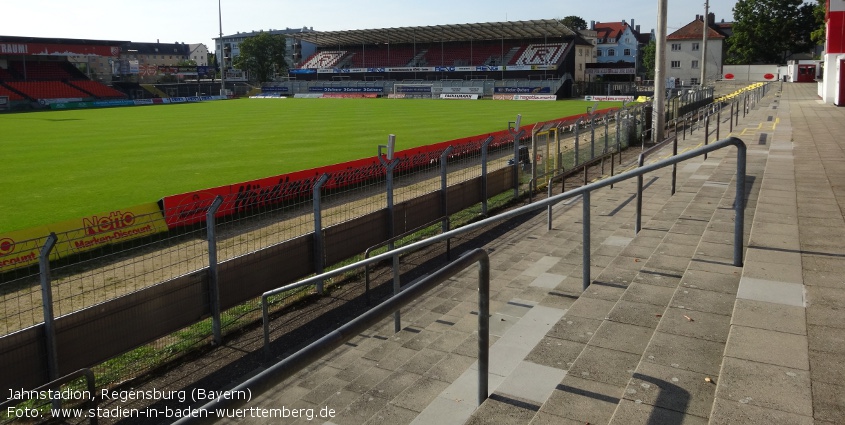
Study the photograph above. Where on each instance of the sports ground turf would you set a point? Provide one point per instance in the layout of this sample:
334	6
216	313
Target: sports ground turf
68	164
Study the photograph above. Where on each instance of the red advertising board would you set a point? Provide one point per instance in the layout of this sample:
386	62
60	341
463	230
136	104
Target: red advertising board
190	208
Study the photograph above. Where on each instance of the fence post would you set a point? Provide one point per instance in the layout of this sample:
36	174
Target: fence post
585	237
674	166
319	258
516	133
485	146
638	223
577	141
731	128
719	121
444	196
592	136
213	281
606	127
389	164
47	304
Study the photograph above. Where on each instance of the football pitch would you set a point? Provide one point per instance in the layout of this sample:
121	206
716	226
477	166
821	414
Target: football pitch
68	164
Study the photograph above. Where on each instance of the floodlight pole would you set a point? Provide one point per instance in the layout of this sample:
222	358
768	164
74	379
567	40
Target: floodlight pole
659	108
221	58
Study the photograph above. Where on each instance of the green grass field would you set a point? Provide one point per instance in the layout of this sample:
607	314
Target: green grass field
68	164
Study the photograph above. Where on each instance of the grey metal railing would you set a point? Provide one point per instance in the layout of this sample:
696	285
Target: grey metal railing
396	239
309	354
91	398
304	357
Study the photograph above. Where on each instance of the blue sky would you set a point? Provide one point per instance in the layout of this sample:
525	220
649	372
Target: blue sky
196	21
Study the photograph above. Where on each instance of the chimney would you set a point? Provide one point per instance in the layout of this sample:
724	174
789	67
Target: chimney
638	28
593	25
711	18
632	24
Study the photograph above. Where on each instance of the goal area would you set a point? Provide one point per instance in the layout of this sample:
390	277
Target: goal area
412	90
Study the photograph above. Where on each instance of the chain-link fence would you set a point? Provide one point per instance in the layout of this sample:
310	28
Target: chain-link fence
136	305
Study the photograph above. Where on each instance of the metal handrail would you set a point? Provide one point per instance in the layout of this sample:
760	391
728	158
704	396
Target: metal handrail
304	357
539	205
394	239
89	380
346	332
640	162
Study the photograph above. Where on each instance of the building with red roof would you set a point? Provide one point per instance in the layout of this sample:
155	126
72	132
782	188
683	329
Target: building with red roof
684	51
619	43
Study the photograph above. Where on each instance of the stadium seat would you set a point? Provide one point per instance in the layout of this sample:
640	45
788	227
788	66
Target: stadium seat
47	90
97	89
12	95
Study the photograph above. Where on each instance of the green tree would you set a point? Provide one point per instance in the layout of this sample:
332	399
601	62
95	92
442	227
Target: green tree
574	22
648	53
769	31
819	34
262	56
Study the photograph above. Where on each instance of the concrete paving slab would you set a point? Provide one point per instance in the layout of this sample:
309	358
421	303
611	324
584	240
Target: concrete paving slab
556	353
583	400
672	389
767	386
787	293
603	365
548	280
643	315
532	382
708	326
827	367
828	402
773	317
622	337
545	418
392	414
729	412
765	346
503	409
705	301
648	294
632	412
692	354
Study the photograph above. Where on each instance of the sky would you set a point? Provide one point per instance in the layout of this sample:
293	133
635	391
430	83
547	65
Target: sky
196	21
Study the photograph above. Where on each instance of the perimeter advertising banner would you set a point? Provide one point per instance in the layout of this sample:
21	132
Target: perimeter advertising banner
51	49
21	248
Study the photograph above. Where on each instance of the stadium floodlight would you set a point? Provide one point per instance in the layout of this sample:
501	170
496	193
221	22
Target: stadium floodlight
222	59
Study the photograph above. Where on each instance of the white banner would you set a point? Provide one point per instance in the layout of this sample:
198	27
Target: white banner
459	96
534	97
609	98
462	90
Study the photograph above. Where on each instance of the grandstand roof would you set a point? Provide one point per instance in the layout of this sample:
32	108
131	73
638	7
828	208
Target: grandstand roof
436	33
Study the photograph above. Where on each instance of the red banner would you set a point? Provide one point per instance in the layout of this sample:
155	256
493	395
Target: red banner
190	208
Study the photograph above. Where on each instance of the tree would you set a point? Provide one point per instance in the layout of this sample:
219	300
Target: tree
262	56
574	23
648	53
819	34
769	31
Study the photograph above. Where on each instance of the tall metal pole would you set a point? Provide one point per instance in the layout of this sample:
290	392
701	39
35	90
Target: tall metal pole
222	57
659	111
705	30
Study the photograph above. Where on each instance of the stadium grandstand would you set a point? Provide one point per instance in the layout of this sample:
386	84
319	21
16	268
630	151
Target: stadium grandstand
35	71
486	59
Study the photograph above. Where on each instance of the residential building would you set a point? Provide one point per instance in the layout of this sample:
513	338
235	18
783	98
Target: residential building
620	42
295	50
144	60
684	51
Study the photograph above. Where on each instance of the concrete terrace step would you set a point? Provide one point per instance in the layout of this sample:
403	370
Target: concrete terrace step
604	332
425	373
765	374
558	355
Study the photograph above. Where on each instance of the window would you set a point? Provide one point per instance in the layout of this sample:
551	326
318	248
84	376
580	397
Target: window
676	64
694	64
676	47
696	47
694	81
627	52
611	52
598	52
